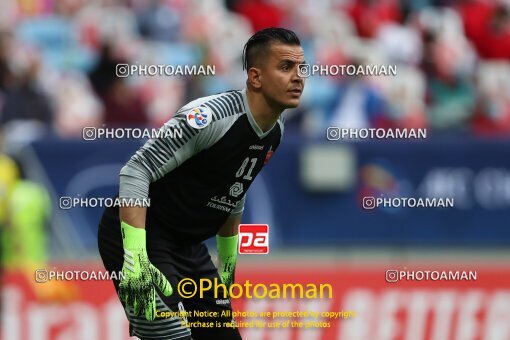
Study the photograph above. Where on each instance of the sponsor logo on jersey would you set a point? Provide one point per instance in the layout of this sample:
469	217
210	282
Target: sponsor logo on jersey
199	117
269	155
222	203
236	189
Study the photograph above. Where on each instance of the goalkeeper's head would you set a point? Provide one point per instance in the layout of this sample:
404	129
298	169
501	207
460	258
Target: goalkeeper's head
271	58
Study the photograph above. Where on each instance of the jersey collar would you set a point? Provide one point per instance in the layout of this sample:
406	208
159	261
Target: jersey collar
252	121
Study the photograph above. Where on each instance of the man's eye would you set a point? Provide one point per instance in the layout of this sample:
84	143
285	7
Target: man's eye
285	67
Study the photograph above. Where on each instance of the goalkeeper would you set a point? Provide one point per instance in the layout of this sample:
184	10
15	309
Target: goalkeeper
197	184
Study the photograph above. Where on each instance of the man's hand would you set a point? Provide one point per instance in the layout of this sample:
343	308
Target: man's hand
227	273
227	255
137	286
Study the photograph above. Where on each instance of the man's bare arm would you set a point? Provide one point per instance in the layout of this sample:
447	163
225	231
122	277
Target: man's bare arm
230	227
134	216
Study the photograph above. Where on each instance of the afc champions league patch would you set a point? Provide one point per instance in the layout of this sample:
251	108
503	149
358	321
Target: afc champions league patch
199	117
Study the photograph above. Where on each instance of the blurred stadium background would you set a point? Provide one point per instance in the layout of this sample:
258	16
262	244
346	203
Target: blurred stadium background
57	76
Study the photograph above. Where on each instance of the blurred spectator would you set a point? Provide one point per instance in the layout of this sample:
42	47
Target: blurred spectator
370	15
75	104
475	16
122	105
5	72
493	110
68	36
25	240
406	99
27	208
357	105
158	21
401	44
102	75
162	97
9	174
55	37
451	94
260	13
488	26
496	41
24	99
110	21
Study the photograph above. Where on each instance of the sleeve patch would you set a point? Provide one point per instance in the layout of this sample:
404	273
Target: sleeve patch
199	117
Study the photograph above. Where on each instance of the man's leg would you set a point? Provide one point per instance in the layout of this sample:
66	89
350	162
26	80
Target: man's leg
205	269
112	254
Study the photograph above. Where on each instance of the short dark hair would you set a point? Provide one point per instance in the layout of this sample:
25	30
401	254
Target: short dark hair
258	44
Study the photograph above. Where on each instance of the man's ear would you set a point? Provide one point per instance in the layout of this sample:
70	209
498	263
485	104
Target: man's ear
254	78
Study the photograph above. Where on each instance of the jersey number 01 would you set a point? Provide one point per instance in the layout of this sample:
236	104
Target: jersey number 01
240	172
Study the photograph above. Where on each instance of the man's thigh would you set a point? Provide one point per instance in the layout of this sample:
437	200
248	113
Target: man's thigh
212	301
193	262
168	324
175	263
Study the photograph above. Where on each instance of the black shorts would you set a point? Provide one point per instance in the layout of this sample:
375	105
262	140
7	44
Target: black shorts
175	262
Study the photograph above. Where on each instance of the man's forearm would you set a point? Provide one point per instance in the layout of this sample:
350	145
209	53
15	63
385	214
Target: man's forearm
134	216
134	180
230	227
227	249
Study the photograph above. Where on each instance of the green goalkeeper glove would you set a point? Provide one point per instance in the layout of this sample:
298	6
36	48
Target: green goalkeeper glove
227	255
136	288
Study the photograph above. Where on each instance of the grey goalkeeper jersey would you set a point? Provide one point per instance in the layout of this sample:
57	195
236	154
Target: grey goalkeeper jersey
198	174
